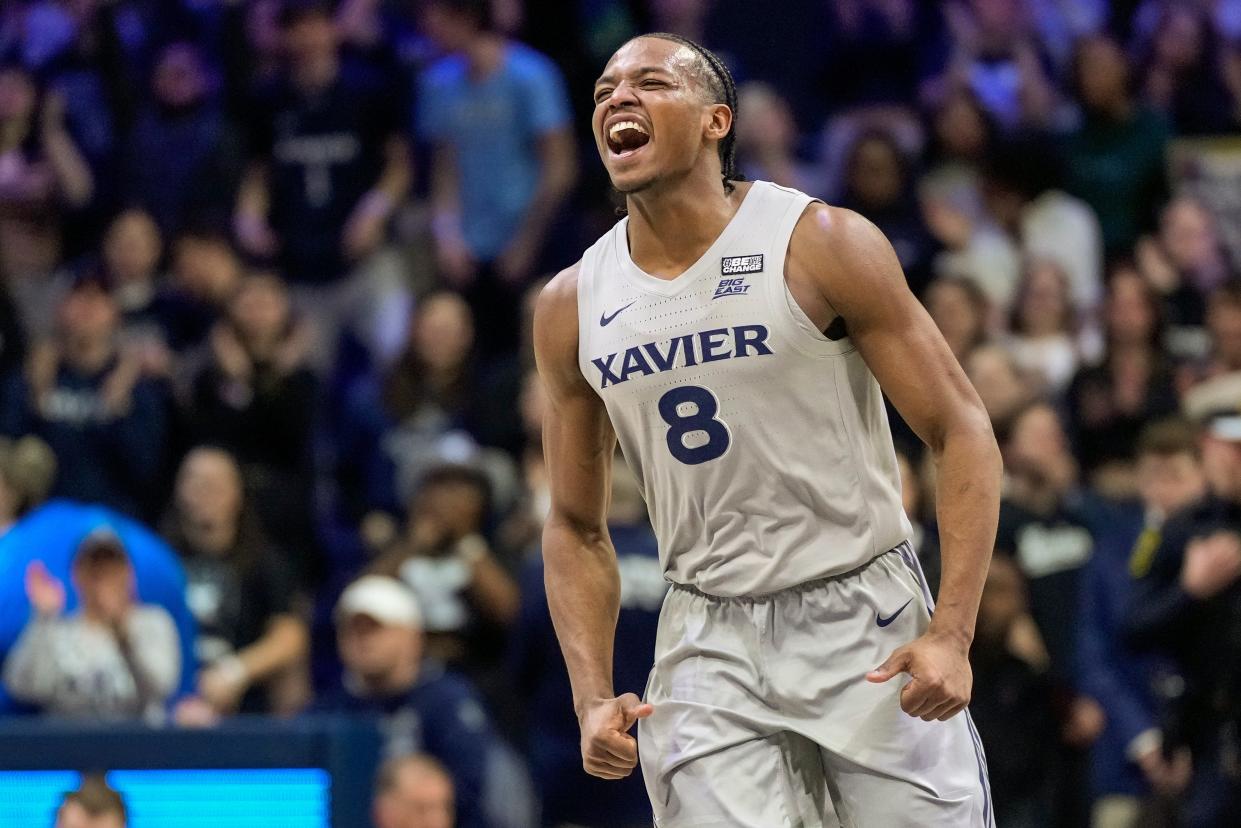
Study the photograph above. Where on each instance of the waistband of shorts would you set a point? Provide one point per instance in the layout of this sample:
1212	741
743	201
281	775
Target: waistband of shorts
905	547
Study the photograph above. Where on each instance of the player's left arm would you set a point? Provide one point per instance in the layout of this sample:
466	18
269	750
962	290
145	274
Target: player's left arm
841	264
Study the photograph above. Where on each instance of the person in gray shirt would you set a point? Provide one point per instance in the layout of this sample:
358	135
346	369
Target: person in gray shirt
112	658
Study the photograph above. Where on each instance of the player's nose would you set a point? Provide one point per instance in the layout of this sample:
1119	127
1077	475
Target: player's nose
622	95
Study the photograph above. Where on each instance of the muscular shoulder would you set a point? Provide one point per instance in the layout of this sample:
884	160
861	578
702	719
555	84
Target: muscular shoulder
555	327
843	258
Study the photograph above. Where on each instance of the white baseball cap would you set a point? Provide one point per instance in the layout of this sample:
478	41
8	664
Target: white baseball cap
1225	427
385	599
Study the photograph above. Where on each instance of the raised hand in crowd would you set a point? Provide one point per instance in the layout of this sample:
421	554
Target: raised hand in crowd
44	590
1212	564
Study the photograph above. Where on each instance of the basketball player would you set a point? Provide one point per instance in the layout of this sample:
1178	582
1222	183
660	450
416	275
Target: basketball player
734	338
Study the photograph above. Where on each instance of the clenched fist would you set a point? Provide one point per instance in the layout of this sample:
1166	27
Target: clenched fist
942	678
608	751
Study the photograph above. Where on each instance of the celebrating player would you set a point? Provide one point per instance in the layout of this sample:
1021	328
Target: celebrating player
734	338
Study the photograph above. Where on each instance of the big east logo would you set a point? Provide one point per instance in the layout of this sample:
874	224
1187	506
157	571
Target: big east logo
731	287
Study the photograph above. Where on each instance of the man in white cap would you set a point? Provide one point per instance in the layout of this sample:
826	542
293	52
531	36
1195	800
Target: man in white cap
422	707
1189	606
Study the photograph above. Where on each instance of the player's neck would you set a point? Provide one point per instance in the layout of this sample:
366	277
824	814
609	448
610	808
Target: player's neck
670	229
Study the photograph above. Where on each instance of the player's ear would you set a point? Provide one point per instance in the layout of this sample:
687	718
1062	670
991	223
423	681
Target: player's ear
719	121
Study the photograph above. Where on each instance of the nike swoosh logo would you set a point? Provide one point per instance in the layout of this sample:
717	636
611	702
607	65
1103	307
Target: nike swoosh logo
883	622
607	318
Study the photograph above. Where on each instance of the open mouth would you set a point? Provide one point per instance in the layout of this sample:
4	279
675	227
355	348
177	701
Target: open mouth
627	137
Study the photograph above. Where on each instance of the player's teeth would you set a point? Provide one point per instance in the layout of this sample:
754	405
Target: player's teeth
617	127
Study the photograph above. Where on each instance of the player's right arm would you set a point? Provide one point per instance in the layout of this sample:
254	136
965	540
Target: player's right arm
583	582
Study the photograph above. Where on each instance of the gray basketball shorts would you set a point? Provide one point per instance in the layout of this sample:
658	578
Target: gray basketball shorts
764	718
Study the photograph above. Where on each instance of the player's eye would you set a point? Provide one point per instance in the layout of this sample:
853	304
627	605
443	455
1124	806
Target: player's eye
653	84
602	94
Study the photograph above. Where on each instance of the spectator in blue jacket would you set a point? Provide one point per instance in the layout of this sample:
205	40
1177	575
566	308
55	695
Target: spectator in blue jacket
421	707
106	423
1127	761
1187	606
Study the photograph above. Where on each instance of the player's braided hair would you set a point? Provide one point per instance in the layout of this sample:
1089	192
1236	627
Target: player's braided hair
723	90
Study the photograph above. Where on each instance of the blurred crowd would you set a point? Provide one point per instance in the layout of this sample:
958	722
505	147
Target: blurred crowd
271	429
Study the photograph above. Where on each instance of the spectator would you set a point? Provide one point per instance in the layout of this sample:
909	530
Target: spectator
1127	761
106	423
1182	73
206	272
132	249
182	159
1224	328
27	469
466	594
879	185
1040	526
413	791
1110	401
1116	156
114	658
1045	341
251	641
569	795
960	136
960	311
996	55
1004	390
328	168
503	161
1186	261
256	397
432	405
43	177
767	140
94	804
1012	704
422	708
1022	182
1186	606
1042	530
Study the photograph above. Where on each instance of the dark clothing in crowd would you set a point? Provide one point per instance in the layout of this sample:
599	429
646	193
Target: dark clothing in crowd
441	715
1203	637
1102	431
234	595
267	423
1112	673
12	335
1051	550
1013	712
183	166
325	150
103	455
1119	169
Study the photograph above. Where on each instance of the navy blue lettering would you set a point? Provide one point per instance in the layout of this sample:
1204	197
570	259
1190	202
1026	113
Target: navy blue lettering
688	348
635	363
711	341
663	362
604	364
754	336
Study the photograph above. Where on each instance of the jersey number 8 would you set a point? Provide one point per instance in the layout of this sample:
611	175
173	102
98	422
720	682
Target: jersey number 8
689	411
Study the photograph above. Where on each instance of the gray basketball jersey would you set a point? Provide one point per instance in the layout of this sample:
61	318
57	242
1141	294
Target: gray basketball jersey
761	446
